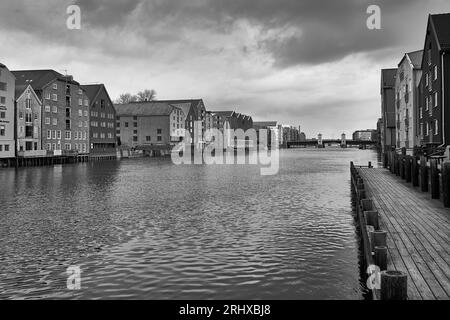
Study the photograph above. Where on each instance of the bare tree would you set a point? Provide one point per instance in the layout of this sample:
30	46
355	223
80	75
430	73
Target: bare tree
126	98
146	95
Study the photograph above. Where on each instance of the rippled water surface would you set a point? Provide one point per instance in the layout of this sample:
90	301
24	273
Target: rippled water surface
149	229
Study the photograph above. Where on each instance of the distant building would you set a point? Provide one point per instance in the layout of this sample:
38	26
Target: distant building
28	122
65	115
365	135
302	137
434	103
388	126
406	96
273	127
152	125
231	120
290	134
7	91
102	121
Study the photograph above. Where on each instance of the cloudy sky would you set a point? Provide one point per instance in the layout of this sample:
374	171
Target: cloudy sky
302	62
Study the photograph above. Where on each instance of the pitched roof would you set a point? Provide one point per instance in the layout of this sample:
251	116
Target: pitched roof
19	90
91	90
416	58
223	113
147	108
441	24
39	78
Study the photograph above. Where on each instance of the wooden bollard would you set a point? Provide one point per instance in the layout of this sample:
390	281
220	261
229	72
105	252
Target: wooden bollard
414	172
408	169
394	285
370	164
402	166
381	257
378	239
366	205
446	184
423	174
434	179
372	218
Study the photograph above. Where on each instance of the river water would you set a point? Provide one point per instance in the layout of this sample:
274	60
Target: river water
146	228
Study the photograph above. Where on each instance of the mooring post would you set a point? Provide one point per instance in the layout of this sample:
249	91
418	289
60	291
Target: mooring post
370	164
408	168
423	174
402	166
372	218
394	285
445	176
414	172
366	205
378	239
381	257
434	177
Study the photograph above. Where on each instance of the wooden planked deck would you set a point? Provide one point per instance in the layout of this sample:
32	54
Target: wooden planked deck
418	233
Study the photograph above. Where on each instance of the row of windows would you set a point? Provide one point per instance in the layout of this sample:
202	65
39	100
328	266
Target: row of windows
56	135
95	135
4	147
55	87
54	97
95	124
428	127
102	115
67	146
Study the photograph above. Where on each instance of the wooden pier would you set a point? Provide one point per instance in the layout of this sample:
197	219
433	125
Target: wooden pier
417	232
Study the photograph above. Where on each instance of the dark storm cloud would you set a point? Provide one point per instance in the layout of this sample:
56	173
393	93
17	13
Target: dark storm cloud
297	32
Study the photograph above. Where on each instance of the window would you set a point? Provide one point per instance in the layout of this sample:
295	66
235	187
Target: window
426	79
2	115
126	124
421	129
148	138
6	147
426	104
2	130
47	108
20	115
68	126
135	132
76	135
47	120
85	113
159	138
48	146
47	96
68	135
67	146
135	118
435	72
135	139
102	104
86	103
427	129
54	134
435	99
102	135
80	102
436	127
55	121
429	55
95	135
420	113
49	134
54	97
80	92
55	86
58	134
55	109
135	124
159	131
3	86
2	100
80	113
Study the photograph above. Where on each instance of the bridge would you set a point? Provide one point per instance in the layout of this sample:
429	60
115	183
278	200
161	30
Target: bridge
325	142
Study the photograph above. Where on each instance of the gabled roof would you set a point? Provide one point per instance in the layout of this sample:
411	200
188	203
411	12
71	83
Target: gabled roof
20	90
147	108
416	58
223	113
441	26
93	90
39	78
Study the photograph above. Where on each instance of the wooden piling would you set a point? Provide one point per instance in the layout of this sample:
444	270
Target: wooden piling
393	285
408	168
372	218
381	257
434	179
423	174
414	172
445	175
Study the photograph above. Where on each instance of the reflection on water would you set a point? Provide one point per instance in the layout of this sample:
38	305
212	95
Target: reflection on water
149	229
